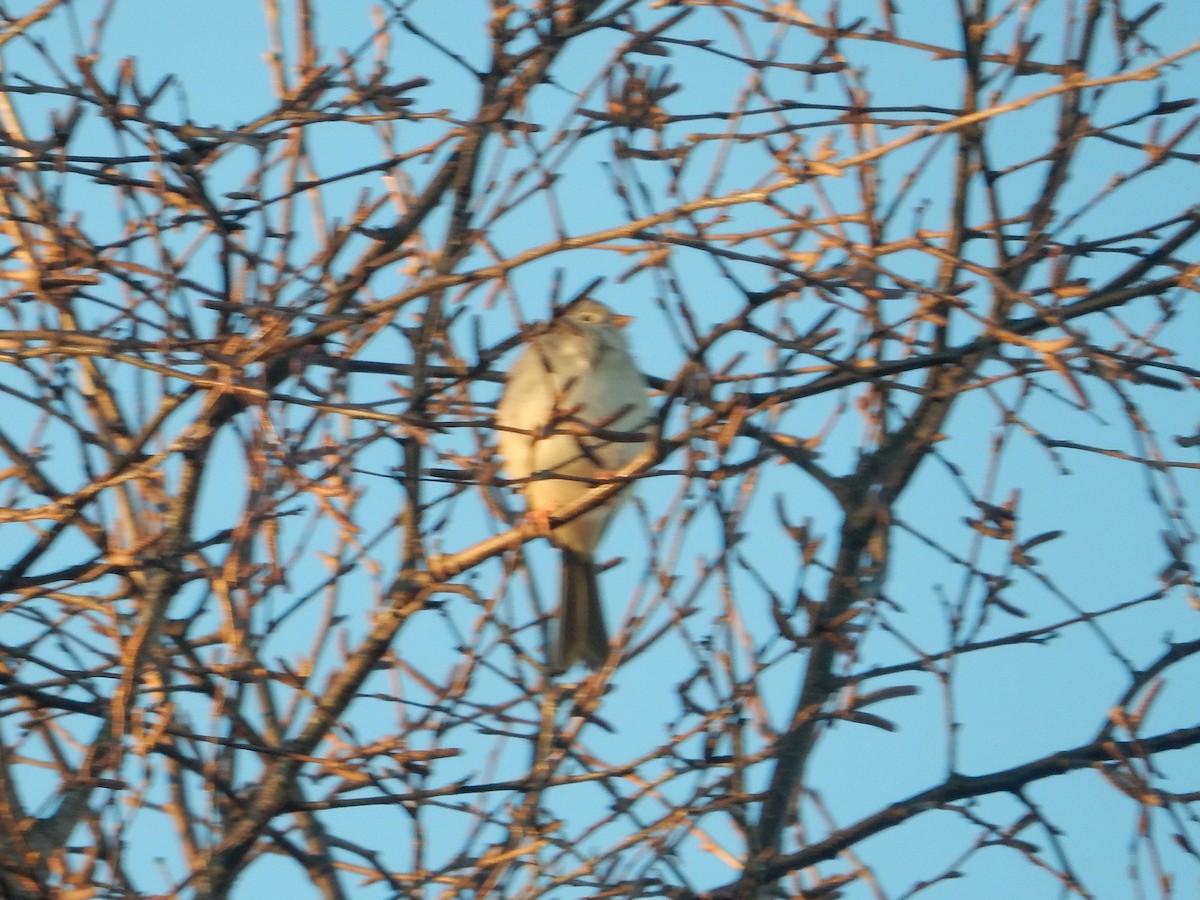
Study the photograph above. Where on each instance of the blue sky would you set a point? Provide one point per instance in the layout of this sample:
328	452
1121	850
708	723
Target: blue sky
1012	705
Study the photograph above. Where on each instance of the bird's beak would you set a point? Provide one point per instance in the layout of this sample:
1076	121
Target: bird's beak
620	321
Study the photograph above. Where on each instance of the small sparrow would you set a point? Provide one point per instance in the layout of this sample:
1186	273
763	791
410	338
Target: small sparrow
577	375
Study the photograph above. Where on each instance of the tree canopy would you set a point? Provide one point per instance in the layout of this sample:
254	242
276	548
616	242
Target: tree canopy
904	598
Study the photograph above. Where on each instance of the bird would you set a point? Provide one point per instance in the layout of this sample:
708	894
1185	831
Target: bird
576	374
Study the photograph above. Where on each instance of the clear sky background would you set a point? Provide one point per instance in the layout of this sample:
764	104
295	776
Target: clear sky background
1013	705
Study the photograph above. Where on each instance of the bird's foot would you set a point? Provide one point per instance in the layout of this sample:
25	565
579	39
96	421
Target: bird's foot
540	519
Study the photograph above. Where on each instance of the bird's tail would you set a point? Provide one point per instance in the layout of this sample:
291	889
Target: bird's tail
582	636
